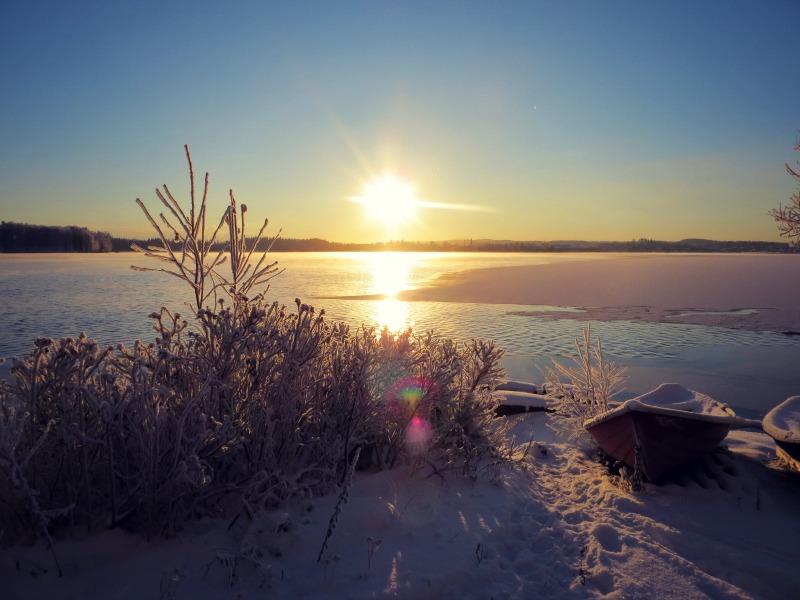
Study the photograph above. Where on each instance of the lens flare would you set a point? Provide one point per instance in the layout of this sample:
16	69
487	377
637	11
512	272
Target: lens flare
409	392
418	434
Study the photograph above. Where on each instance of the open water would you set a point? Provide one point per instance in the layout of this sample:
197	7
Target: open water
59	295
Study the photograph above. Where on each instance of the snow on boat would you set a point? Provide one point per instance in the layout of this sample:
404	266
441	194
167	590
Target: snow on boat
511	385
782	424
520	397
670	425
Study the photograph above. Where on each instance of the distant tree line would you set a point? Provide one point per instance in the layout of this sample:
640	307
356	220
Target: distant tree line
640	245
21	237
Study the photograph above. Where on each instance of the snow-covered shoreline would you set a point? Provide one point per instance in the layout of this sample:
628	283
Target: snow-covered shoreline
557	525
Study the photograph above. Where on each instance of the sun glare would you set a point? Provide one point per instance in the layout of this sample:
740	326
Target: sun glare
390	200
390	275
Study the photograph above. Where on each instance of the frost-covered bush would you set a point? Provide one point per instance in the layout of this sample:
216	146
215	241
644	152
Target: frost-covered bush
239	407
435	402
585	386
58	398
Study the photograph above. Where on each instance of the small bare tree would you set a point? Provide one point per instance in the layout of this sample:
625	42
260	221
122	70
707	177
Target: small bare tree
188	250
788	217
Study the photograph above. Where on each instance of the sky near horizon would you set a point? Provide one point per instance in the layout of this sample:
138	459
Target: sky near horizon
510	120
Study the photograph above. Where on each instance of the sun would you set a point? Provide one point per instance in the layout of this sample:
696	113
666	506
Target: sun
390	200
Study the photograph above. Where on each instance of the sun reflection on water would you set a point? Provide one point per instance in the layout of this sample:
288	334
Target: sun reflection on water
390	275
391	314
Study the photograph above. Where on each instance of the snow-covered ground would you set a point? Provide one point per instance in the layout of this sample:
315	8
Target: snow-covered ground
556	525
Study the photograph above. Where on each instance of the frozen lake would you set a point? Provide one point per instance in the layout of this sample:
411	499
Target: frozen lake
58	295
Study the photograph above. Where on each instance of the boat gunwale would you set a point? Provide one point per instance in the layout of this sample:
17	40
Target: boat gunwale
777	433
634	405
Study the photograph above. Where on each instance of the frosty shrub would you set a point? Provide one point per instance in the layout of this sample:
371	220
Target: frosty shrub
586	385
57	399
435	402
239	407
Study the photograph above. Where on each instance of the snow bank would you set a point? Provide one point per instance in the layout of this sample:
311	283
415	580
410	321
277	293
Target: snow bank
556	525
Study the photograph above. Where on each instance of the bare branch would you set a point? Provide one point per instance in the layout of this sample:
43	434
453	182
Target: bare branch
195	262
788	217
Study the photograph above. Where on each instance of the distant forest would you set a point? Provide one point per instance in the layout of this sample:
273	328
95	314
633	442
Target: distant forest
20	237
640	245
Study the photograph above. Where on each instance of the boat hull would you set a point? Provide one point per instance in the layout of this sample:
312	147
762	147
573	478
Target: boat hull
789	453
782	424
666	440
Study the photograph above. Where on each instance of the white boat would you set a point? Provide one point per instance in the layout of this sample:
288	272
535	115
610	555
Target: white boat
668	427
782	424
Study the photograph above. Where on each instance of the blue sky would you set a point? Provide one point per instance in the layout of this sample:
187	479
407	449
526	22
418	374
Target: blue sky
560	120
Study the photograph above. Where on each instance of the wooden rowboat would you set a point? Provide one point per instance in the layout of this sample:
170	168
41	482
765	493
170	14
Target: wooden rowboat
669	426
782	424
